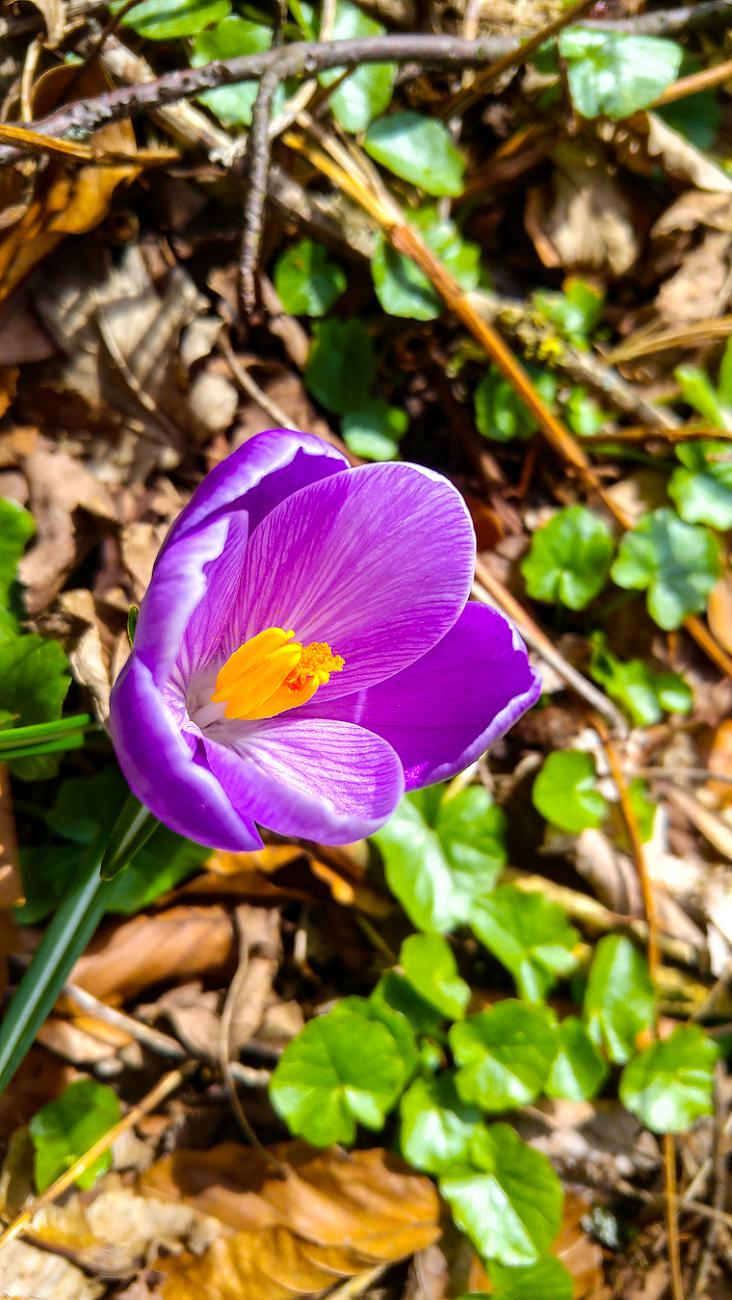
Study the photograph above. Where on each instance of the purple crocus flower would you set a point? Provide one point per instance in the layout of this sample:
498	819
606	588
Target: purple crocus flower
306	651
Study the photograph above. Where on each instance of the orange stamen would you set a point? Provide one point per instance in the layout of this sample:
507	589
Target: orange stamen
271	673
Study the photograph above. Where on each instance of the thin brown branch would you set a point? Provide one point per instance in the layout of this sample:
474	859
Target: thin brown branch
257	168
672	1216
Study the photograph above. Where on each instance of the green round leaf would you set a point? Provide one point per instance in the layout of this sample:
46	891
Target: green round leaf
418	149
619	999
702	490
394	993
569	558
367	90
565	792
669	1085
375	430
529	934
500	413
306	280
165	20
232	105
340	1070
441	854
641	690
66	1128
505	1054
429	965
578	1069
436	1125
16	529
613	74
546	1280
675	562
510	1204
341	366
377	1010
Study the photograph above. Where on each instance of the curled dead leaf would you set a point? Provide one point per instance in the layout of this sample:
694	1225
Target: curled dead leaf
584	220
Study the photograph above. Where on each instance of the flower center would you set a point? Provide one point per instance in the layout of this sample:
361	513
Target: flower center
271	672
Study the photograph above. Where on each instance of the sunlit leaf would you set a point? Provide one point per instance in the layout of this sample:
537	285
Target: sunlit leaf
569	559
613	74
436	1125
669	1085
565	791
500	413
165	20
307	280
529	934
233	37
341	367
63	1130
619	999
505	1054
418	149
676	563
578	1069
429	965
375	430
367	89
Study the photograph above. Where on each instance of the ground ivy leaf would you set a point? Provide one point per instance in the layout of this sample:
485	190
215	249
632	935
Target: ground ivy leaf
66	1128
375	430
340	1070
529	934
569	558
565	791
510	1204
578	1069
677	564
34	679
702	489
307	280
644	692
429	965
619	1000
499	412
548	1279
505	1054
235	36
165	20
418	149
436	1125
341	367
367	90
442	852
669	1085
402	288
613	74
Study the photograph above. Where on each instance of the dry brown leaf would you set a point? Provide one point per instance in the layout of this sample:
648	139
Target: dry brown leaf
334	1214
181	942
289	872
708	823
693	209
28	1273
720	761
681	159
89	659
583	221
260	952
719	612
701	287
54	18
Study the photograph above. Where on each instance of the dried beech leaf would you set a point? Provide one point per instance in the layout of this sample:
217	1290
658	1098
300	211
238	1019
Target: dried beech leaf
701	287
584	221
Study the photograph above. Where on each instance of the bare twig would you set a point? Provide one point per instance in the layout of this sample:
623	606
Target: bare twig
672	1216
257	167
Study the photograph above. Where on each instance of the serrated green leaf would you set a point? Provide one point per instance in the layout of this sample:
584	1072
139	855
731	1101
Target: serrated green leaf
546	1280
529	934
429	965
166	20
307	280
669	1085
702	489
676	563
341	1070
619	999
374	431
367	90
341	367
505	1054
643	692
578	1069
565	792
613	74
510	1203
442	853
402	288
436	1125
418	149
64	1129
569	558
233	37
500	413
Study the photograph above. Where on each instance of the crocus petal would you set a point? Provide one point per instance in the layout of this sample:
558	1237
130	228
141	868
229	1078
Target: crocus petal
377	562
314	778
443	711
161	767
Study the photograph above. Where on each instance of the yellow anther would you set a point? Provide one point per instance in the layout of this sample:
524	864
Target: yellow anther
271	673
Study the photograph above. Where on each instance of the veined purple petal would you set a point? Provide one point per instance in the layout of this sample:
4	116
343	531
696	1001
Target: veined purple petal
443	711
162	770
377	562
314	778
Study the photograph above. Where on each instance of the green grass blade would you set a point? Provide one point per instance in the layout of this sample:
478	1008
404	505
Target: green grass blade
41	731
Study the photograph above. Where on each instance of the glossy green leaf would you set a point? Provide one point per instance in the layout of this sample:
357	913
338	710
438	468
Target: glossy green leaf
16	529
166	20
442	852
307	280
701	488
696	117
569	558
619	999
529	934
394	993
34	679
402	288
378	1010
510	1203
698	390
548	1279
676	563
367	90
429	965
505	1054
576	311
565	791
418	149
500	413
436	1125
669	1085
375	431
584	414
65	1129
341	367
233	37
642	691
613	74
578	1069
341	1070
